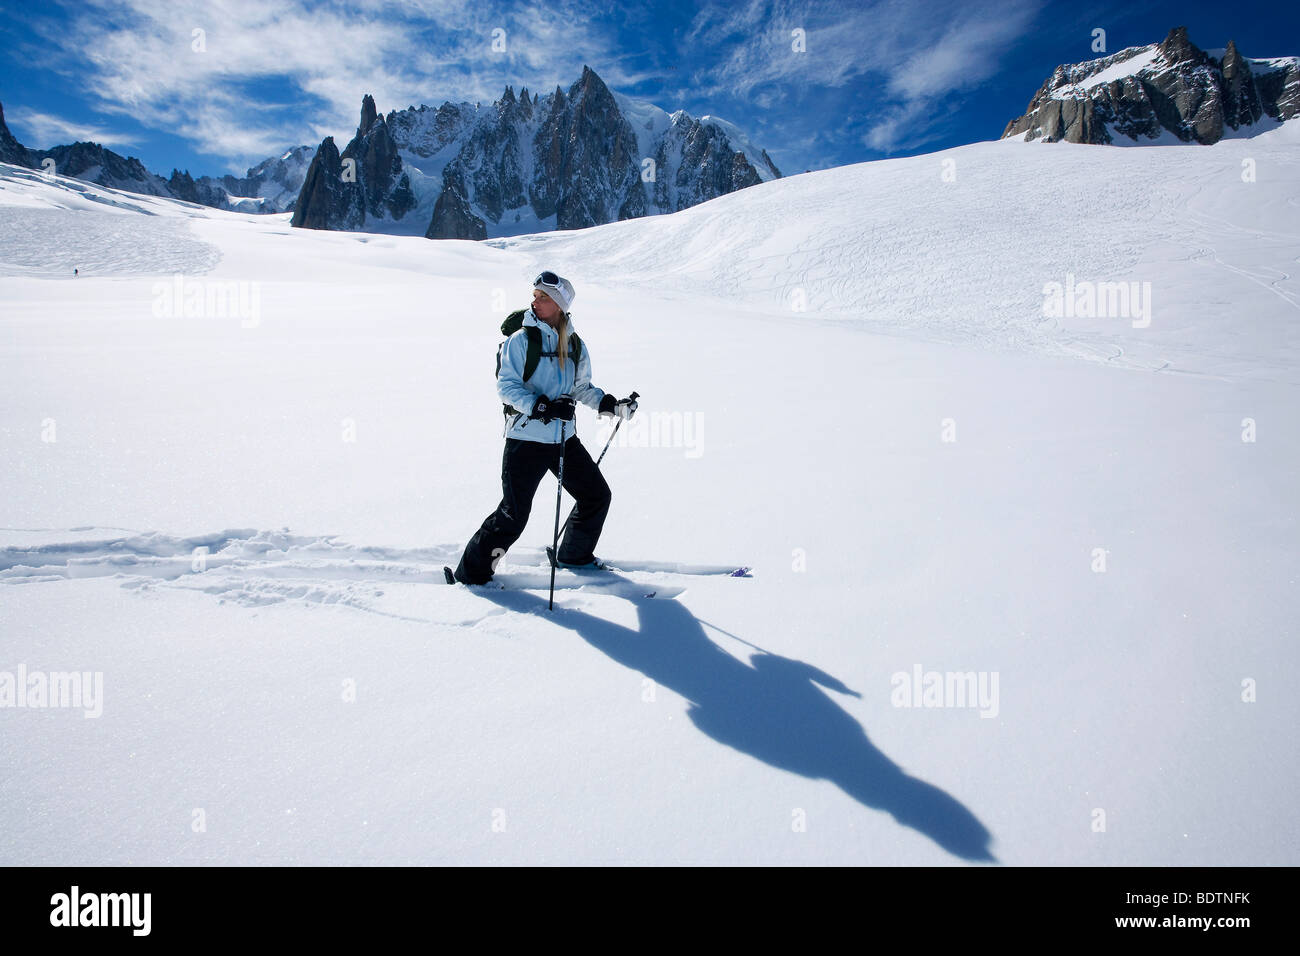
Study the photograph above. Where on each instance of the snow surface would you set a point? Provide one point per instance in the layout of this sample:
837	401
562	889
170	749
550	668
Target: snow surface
1269	64
1138	62
202	532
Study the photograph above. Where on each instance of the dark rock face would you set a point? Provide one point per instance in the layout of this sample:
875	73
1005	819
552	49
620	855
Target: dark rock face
12	151
571	155
587	169
452	216
340	191
1169	87
586	160
1241	104
709	167
182	186
94	163
495	153
386	187
1279	88
327	201
425	132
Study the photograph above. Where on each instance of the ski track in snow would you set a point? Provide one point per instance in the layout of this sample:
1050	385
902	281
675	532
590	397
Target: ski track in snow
258	568
40	240
53	242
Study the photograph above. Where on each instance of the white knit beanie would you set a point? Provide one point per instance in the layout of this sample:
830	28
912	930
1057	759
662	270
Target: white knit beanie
561	290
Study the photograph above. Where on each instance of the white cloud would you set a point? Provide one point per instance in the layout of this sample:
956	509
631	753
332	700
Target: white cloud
139	58
917	54
276	73
43	130
966	53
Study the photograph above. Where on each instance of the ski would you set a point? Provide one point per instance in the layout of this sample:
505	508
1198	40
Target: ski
658	567
603	578
515	581
555	563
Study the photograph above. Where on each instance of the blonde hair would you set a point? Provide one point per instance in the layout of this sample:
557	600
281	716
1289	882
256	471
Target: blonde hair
562	353
563	350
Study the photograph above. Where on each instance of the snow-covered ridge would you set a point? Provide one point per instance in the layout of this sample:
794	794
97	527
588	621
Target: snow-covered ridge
647	120
1129	62
1171	91
1147	60
757	157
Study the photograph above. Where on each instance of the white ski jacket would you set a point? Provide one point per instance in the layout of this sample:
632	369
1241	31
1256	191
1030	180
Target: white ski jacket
549	379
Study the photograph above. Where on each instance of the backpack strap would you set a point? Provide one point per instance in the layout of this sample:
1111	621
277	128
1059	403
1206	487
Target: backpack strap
534	355
575	349
513	323
531	358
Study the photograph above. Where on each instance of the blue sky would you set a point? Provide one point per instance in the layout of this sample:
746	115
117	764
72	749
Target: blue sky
875	79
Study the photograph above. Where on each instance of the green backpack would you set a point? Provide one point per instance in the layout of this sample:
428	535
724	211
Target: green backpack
513	323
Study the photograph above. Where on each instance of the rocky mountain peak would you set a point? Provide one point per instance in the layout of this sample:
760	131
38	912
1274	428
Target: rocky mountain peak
1176	48
1233	61
368	115
566	160
326	202
11	151
1171	90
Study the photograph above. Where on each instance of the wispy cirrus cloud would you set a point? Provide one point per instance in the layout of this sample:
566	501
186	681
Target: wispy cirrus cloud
916	55
43	130
242	79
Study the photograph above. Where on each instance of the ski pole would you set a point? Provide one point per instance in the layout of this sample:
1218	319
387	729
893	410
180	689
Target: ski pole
555	542
610	441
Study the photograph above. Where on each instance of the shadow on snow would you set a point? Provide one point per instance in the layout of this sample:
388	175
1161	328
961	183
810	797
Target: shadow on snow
771	709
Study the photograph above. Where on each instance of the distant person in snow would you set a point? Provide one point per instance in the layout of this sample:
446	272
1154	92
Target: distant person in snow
543	368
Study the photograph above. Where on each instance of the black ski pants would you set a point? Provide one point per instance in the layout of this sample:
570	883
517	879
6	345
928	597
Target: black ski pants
523	465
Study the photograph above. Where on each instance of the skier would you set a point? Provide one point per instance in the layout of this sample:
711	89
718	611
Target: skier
540	407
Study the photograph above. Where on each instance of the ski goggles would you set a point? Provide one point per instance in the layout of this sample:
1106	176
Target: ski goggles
548	278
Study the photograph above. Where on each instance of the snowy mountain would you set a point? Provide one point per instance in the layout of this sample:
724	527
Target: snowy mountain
271	186
97	164
1171	91
527	163
1024	578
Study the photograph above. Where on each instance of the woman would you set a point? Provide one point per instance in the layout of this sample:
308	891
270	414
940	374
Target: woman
539	391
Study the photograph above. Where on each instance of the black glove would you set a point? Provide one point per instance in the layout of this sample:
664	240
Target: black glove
624	408
548	410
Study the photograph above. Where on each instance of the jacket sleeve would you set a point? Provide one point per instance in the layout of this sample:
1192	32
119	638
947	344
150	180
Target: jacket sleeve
510	380
583	390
